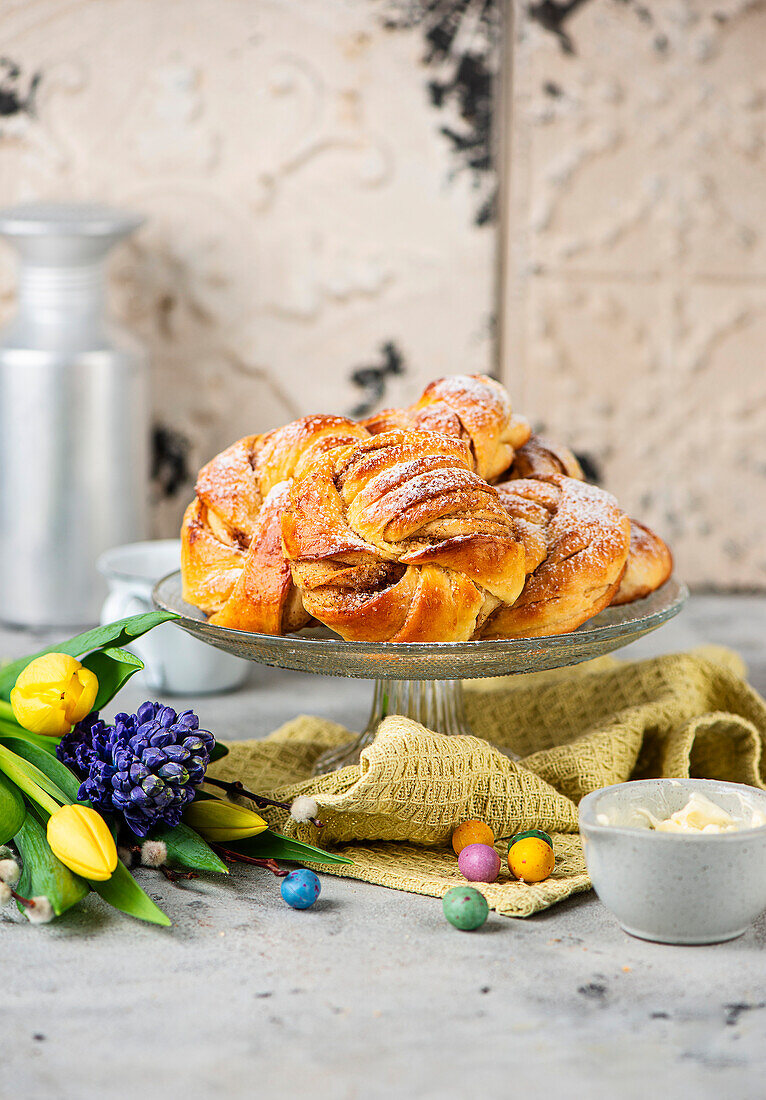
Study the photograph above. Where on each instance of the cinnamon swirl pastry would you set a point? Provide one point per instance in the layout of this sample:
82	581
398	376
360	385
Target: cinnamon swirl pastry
231	544
398	539
650	563
394	530
471	407
540	458
586	539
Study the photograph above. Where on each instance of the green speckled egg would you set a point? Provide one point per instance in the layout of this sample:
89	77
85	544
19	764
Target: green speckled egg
531	832
465	908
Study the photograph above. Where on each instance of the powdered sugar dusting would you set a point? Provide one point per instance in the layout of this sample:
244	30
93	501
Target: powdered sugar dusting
398	536
587	540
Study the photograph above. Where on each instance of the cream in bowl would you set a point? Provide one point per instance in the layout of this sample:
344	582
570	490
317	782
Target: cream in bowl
701	815
678	860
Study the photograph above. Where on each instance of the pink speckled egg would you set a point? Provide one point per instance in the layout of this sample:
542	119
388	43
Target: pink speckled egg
479	863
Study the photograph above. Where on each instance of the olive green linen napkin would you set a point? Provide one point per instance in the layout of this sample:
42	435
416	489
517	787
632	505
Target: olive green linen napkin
575	730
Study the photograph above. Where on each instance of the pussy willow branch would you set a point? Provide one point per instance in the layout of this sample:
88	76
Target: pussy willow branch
175	876
238	857
236	788
28	902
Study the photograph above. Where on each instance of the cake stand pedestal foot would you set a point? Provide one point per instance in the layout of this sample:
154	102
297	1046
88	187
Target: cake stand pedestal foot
436	704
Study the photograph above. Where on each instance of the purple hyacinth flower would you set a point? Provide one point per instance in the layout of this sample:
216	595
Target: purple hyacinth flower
145	766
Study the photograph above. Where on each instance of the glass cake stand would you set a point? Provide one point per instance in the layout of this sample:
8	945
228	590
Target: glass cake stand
423	680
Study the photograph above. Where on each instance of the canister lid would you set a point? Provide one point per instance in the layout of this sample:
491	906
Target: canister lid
67	219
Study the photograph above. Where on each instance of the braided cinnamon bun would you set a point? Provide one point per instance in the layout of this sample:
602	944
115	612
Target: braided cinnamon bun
398	539
649	565
650	561
231	545
392	529
471	407
540	458
586	537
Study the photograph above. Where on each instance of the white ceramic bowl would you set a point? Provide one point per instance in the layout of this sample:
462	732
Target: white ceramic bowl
674	887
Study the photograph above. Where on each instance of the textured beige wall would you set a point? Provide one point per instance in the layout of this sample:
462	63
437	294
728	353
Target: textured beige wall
636	261
311	171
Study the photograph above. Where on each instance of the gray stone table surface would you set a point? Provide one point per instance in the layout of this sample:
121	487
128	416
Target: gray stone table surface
370	993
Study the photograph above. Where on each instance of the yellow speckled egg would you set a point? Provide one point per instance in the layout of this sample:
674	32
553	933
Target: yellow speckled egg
472	832
530	856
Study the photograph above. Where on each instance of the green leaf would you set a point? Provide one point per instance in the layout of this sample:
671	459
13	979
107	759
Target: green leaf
12	809
186	848
112	668
33	782
123	892
42	872
13	729
269	845
66	781
219	751
119	634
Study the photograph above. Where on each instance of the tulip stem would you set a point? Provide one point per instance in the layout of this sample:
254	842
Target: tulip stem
20	772
236	789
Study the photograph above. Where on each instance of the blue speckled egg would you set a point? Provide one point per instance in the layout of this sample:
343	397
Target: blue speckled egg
300	889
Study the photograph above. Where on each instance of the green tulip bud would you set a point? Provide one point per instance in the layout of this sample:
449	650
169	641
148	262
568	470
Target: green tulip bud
217	820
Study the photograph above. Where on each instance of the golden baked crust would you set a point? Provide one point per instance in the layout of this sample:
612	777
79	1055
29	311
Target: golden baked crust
263	598
210	563
232	564
587	537
650	563
397	539
471	407
392	529
540	458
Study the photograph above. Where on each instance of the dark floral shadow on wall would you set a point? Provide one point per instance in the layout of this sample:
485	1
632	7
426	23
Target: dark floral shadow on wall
462	56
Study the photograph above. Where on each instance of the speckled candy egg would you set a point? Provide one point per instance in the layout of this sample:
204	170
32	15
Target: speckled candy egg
300	889
465	908
530	856
472	832
479	863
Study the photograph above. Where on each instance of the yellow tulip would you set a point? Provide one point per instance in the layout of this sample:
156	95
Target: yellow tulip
217	820
53	693
81	839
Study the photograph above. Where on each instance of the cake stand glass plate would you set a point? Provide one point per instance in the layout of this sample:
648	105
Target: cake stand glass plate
422	680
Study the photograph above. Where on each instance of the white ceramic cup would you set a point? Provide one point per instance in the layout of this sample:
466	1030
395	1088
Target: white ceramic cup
174	661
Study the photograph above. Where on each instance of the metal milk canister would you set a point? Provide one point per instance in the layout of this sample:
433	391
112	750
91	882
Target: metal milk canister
74	447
